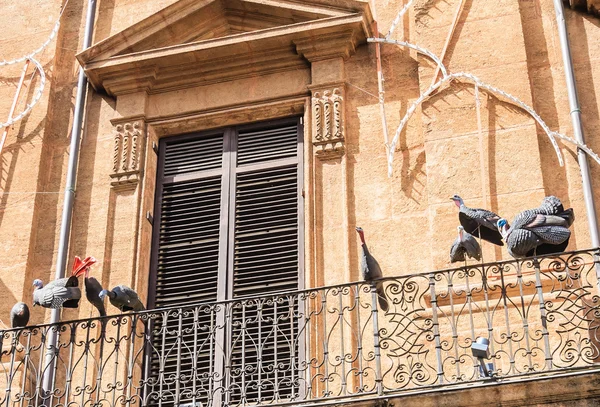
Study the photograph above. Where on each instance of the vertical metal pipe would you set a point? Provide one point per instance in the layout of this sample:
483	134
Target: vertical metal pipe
65	227
588	193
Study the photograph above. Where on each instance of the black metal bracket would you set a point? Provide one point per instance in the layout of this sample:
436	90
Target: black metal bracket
155	147
149	218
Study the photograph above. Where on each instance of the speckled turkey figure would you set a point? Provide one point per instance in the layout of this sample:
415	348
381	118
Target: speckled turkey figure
59	293
543	230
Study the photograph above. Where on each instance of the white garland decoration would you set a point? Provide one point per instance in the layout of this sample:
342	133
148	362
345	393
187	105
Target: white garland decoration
446	78
38	95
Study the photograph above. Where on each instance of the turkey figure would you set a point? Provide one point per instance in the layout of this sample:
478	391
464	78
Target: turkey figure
19	315
549	217
92	286
123	298
465	244
59	293
371	271
523	241
478	222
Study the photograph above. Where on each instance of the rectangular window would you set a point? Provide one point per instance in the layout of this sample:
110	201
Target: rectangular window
228	225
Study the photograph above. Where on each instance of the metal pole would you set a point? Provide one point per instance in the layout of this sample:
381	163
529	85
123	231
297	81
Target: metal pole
588	193
65	227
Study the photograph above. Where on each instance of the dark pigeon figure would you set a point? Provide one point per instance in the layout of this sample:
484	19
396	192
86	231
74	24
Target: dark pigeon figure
372	271
123	298
19	315
92	286
465	244
59	293
478	222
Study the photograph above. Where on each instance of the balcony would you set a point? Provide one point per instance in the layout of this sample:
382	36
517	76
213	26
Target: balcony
328	344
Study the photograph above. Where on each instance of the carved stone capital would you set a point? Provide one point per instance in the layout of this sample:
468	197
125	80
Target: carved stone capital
128	153
328	123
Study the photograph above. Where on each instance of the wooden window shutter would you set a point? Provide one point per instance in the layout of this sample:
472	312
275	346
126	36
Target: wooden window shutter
186	263
228	226
265	259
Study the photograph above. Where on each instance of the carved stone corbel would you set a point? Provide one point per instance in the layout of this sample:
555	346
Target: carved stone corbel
328	123
128	152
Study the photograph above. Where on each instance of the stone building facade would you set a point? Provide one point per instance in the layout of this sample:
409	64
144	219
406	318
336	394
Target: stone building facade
164	68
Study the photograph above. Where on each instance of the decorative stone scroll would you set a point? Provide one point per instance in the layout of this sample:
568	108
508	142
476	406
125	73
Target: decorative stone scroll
328	114
128	152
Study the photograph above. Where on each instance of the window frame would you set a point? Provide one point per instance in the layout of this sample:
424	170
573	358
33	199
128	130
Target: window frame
228	185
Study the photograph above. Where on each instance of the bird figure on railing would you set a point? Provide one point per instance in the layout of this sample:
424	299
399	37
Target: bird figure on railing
551	205
123	298
465	244
371	271
62	292
478	222
539	231
92	286
19	315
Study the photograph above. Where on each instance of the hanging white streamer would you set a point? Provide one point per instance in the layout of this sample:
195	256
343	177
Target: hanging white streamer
397	19
30	56
43	46
552	135
36	97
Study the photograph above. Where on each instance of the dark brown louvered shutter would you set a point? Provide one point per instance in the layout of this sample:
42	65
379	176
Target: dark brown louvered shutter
228	216
187	239
265	260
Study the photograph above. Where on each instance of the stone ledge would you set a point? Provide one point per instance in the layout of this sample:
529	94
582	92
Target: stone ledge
570	389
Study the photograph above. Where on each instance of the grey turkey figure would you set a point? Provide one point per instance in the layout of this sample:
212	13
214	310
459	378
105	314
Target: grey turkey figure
371	271
59	293
548	221
465	244
478	222
19	315
543	230
123	298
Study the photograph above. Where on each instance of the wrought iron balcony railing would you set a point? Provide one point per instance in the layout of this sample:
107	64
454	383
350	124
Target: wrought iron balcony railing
541	317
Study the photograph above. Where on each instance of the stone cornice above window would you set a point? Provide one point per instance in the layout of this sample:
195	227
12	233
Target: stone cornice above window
192	43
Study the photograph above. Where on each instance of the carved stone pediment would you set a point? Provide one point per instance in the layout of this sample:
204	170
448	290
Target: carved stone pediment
197	42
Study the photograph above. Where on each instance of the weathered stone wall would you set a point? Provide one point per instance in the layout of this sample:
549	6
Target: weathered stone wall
409	220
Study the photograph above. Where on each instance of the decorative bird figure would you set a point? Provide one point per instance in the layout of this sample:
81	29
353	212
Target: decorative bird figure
524	241
62	292
19	315
92	286
371	271
551	213
478	222
464	244
539	231
123	298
